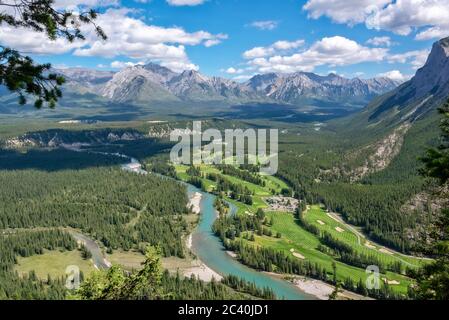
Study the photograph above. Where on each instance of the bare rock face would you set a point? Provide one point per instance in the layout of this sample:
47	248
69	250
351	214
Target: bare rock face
139	82
434	76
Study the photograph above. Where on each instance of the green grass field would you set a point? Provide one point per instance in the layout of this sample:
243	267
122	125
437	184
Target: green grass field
305	243
297	240
351	236
53	263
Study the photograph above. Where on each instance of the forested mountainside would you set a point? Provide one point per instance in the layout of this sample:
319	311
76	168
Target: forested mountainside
373	178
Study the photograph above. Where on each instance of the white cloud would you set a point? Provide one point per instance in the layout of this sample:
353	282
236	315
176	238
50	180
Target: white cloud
265	25
433	33
416	58
179	66
179	3
217	40
429	18
131	38
343	11
232	70
333	51
275	48
29	42
403	16
121	64
380	41
394	75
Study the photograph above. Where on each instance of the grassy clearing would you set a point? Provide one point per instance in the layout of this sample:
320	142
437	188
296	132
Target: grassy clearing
129	260
53	263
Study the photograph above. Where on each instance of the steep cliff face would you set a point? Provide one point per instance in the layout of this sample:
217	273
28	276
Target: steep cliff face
423	93
434	76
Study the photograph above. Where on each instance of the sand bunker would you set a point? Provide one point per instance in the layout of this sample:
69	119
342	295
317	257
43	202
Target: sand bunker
320	222
383	250
339	229
297	255
391	282
369	245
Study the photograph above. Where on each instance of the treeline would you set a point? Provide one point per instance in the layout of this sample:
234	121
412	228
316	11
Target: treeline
177	287
232	227
24	244
250	288
233	190
117	208
251	177
160	165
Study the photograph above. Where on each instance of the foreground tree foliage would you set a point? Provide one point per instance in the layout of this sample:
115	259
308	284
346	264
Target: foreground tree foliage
115	284
20	73
433	280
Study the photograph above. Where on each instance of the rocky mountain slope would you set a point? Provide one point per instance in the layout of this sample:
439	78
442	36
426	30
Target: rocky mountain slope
294	88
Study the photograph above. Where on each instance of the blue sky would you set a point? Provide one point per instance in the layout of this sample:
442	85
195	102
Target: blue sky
239	38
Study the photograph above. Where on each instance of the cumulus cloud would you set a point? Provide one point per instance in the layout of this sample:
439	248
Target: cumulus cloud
275	48
417	58
265	25
331	51
122	64
343	11
428	17
132	38
394	75
232	70
380	41
29	42
191	3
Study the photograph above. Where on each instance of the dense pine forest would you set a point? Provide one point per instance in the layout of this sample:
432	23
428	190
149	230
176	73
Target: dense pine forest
119	209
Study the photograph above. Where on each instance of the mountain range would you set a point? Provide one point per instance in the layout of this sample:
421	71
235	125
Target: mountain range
149	83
